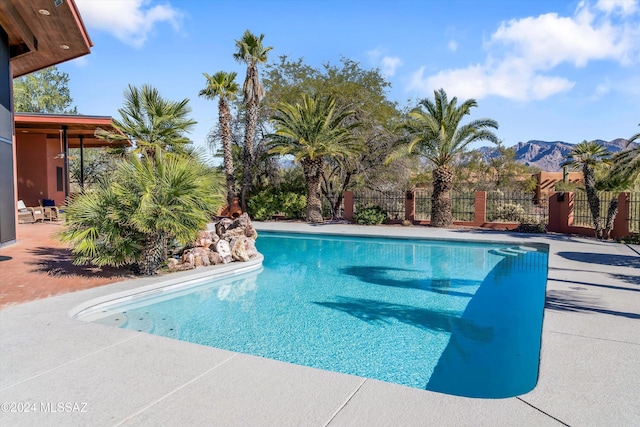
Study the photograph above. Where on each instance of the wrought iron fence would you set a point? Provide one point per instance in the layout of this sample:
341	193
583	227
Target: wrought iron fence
462	205
423	204
391	201
516	206
582	213
634	212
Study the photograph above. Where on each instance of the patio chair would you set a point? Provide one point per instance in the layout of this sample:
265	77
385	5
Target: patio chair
28	214
50	210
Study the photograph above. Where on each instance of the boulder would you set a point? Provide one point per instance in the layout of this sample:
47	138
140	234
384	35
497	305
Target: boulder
222	226
214	258
173	264
201	256
187	256
243	249
204	239
223	249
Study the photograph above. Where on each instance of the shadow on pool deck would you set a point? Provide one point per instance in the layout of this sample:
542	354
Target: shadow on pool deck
604	259
570	301
58	262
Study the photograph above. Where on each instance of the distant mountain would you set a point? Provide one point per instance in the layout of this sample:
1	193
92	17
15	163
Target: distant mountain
548	156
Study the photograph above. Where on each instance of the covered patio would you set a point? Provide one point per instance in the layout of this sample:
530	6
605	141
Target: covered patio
43	142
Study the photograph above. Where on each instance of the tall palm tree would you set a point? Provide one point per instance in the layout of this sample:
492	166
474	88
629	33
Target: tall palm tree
311	131
132	216
252	53
152	122
435	132
626	163
586	156
223	86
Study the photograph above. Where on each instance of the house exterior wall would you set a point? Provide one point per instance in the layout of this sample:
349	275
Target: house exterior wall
36	164
8	212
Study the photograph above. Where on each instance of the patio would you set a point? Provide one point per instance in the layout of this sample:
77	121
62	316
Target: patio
589	371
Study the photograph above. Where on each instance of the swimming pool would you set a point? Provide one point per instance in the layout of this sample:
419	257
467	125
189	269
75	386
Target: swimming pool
459	318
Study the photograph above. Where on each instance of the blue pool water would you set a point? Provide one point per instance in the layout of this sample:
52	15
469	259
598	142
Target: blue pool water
458	318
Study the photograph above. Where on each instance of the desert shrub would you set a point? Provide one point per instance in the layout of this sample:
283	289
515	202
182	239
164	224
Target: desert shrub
631	239
510	212
370	215
531	227
274	201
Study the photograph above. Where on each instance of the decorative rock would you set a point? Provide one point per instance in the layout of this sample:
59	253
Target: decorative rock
214	258
188	256
187	266
204	239
201	257
173	264
223	249
222	226
243	249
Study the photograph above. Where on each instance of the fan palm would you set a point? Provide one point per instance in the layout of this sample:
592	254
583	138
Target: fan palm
626	164
586	156
435	132
152	122
250	52
311	131
147	203
223	86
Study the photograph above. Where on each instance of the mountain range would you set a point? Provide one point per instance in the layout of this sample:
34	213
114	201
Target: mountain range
545	155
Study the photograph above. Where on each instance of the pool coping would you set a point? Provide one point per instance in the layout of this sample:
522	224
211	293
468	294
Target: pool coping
589	373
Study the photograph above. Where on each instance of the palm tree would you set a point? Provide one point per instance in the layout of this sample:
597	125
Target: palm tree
133	216
250	52
435	132
311	131
152	122
626	163
586	156
223	86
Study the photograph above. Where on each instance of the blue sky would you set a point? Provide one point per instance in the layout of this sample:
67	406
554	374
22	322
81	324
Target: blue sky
544	69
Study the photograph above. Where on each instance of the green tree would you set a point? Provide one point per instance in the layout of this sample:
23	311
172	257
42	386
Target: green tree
252	53
354	88
44	91
311	131
435	132
587	156
626	164
222	85
132	217
152	123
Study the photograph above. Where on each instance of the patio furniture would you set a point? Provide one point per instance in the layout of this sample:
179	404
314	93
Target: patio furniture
29	214
51	213
50	209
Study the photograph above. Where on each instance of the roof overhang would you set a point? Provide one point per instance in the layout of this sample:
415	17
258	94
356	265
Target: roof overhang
77	126
42	33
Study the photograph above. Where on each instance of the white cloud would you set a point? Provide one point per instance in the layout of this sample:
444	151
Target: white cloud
523	52
452	45
130	21
388	64
601	90
625	7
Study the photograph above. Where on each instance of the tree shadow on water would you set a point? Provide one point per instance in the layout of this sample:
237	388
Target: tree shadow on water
383	276
58	262
375	312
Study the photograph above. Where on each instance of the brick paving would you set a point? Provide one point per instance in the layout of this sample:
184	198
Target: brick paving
39	266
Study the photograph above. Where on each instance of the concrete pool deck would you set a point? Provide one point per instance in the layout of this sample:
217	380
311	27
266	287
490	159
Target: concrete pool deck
60	371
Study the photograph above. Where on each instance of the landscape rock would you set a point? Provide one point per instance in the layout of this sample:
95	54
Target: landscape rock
243	249
214	258
223	249
232	240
